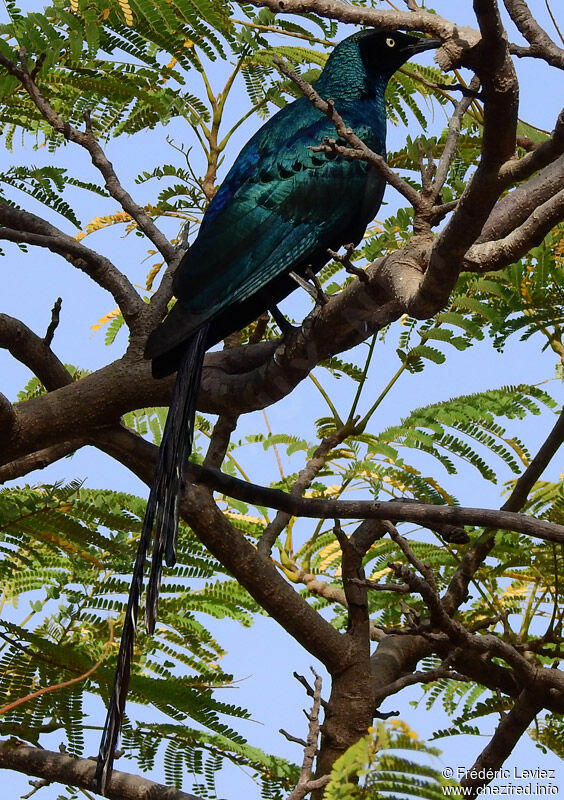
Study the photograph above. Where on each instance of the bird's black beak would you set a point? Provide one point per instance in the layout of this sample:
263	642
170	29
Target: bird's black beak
423	44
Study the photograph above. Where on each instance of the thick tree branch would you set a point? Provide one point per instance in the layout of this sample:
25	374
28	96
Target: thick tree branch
508	732
498	254
357	15
38	460
86	140
491	62
32	350
244	379
65	769
255	572
515	208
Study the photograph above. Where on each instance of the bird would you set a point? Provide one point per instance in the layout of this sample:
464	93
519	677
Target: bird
281	209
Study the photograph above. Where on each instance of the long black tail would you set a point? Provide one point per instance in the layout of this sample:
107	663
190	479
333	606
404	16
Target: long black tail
160	522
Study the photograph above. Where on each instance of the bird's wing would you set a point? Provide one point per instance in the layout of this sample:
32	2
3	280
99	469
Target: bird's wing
280	207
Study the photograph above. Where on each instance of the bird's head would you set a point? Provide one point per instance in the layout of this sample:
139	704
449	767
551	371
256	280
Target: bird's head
383	52
368	59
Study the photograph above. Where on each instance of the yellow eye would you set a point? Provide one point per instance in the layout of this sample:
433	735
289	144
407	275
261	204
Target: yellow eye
390	42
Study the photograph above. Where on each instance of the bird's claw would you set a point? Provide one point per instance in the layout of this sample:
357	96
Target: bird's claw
285	325
314	288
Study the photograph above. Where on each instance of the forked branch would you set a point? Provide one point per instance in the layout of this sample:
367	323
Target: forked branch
87	140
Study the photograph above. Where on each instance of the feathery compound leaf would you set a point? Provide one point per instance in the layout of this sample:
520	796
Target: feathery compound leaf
378	760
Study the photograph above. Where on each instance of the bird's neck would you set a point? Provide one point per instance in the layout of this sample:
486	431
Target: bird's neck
345	77
354	91
358	97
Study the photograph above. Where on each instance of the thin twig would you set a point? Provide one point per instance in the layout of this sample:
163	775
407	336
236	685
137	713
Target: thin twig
358	149
291	738
88	142
345	260
304	782
444	671
54	323
55	687
449	150
274	446
304	480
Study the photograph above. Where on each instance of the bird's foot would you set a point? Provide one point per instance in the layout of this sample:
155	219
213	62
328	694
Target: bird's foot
314	288
285	325
345	260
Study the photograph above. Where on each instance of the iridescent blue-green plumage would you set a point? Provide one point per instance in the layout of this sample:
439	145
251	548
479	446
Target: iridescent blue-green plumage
281	207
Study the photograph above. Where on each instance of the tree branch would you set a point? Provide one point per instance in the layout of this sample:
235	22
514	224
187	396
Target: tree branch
510	729
516	207
25	227
34	352
65	769
54	322
449	150
540	462
305	784
88	142
501	252
444	671
421	513
38	460
490	60
541	44
385	20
